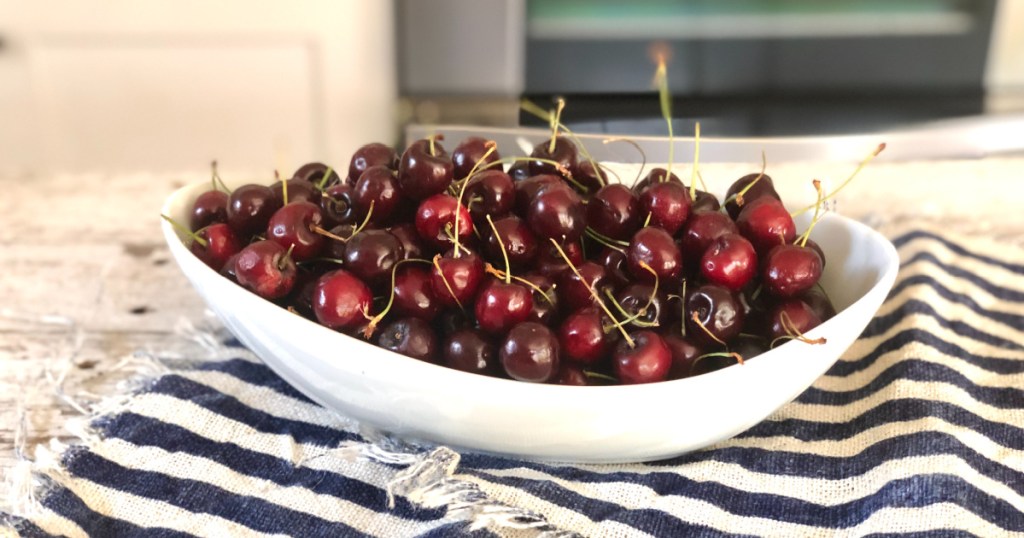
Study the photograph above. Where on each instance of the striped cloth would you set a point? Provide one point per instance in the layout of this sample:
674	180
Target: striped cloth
918	430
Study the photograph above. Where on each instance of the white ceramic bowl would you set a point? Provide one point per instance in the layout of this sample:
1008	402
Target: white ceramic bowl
548	422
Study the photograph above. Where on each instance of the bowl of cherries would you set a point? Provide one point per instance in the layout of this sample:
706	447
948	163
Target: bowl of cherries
534	306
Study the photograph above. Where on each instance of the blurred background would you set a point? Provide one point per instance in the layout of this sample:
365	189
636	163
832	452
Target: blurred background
127	85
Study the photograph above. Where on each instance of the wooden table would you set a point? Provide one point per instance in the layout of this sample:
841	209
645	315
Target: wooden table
89	290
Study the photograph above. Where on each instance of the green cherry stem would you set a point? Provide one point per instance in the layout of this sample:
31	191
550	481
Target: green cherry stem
497	237
192	235
593	293
860	167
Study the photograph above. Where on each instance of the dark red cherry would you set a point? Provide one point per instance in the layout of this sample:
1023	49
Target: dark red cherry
501	305
264	268
656	175
372	154
792	318
412	337
748	346
762	187
684	352
614	212
819	302
589	178
292	227
435	221
341	300
314	173
572	291
719	315
582	336
668	204
451	320
456	280
338	206
710	363
425	169
557	212
565	154
572	375
519	243
250	208
817	248
614	262
656	248
545	301
221	245
648	360
705	201
414	295
470	350
700	230
551	263
765	222
299	190
335	248
519	170
790	270
729	261
376	194
530	352
490	192
412	245
468	153
643	304
527	189
371	255
209	207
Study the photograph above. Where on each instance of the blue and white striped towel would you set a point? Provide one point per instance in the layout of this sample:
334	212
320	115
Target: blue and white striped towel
918	430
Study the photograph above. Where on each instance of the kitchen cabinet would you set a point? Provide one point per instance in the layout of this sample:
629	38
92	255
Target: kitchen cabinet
116	85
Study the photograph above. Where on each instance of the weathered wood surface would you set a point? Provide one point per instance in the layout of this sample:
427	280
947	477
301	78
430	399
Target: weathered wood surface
87	282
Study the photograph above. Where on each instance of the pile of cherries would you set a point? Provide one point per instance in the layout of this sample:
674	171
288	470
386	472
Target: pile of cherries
542	268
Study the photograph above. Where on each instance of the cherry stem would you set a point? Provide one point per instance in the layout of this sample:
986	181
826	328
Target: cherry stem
539	112
645	267
491	146
732	354
605	240
328	234
738	197
366	219
215	179
696	159
682	302
555	122
372	326
860	167
287	255
593	292
661	76
696	319
643	155
794	333
497	237
630	318
437	267
284	190
492	270
802	240
192	235
327	177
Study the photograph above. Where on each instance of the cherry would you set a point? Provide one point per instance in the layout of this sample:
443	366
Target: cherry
265	268
530	353
614	212
684	353
714	315
668	204
792	318
614	262
369	155
249	209
545	298
519	170
571	375
810	243
702	228
705	201
710	363
299	190
468	153
412	245
655	248
435	221
557	212
210	207
748	346
292	227
818	300
221	244
338	206
414	295
762	186
549	262
341	300
371	255
647	360
790	270
470	350
527	189
490	192
766	223
425	169
519	243
336	248
315	174
574	293
729	261
452	320
411	337
582	336
455	280
500	305
376	194
560	150
644	304
589	177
